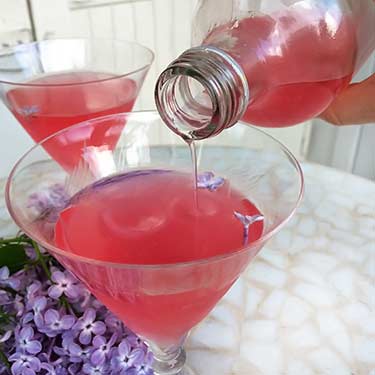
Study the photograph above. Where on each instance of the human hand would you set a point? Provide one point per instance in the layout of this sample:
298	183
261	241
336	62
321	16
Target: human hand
355	105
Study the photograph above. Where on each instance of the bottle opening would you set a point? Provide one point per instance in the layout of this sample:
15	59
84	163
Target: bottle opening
187	105
194	102
201	93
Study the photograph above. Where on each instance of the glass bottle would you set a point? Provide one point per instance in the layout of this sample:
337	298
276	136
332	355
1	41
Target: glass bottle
271	63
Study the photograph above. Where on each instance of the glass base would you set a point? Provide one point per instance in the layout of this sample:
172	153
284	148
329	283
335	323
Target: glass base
171	362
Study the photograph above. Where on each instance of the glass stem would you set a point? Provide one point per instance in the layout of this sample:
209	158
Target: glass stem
169	361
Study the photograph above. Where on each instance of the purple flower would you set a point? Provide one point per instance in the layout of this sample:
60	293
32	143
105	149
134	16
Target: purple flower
145	368
135	341
24	364
9	281
55	323
35	302
45	339
86	300
88	326
124	357
25	342
39	304
18	305
102	348
61	370
33	291
78	354
114	324
48	367
4	298
3	369
48	202
207	180
39	322
247	221
59	351
65	283
97	305
30	252
27	318
90	369
5	337
74	369
67	339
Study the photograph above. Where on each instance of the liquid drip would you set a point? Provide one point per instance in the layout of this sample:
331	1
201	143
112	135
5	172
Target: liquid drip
194	162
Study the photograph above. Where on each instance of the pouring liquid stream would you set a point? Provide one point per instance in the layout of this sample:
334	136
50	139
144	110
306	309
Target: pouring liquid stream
193	154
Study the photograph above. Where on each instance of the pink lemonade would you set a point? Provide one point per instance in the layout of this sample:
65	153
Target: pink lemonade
294	62
151	218
54	102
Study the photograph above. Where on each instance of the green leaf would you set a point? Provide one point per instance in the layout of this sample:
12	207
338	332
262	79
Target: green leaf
13	255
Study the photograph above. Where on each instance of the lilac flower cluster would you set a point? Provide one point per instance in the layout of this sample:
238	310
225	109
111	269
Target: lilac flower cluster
51	324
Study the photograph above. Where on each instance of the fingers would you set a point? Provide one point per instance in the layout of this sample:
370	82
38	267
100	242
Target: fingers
355	105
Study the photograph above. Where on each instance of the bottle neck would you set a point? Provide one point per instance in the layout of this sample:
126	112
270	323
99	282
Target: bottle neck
201	93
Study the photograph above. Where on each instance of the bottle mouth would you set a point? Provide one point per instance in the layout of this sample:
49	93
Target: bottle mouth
201	93
186	103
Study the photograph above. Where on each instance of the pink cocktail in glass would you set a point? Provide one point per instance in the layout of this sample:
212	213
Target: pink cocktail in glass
52	84
131	225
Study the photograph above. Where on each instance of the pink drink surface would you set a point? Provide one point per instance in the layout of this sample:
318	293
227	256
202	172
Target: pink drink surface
295	62
54	102
150	218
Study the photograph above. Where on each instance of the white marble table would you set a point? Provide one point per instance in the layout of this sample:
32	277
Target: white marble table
306	305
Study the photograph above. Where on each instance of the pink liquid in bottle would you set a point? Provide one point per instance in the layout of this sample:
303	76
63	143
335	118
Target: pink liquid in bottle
296	61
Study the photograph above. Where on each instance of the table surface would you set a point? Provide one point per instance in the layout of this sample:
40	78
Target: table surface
306	304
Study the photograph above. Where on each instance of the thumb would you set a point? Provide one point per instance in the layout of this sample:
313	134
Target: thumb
355	105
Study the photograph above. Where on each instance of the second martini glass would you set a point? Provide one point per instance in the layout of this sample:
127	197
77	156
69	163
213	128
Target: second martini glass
52	84
176	273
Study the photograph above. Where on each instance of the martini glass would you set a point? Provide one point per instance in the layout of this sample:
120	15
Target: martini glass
160	301
52	84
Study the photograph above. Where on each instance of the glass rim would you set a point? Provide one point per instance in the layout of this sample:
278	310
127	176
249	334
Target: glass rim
56	250
12	49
